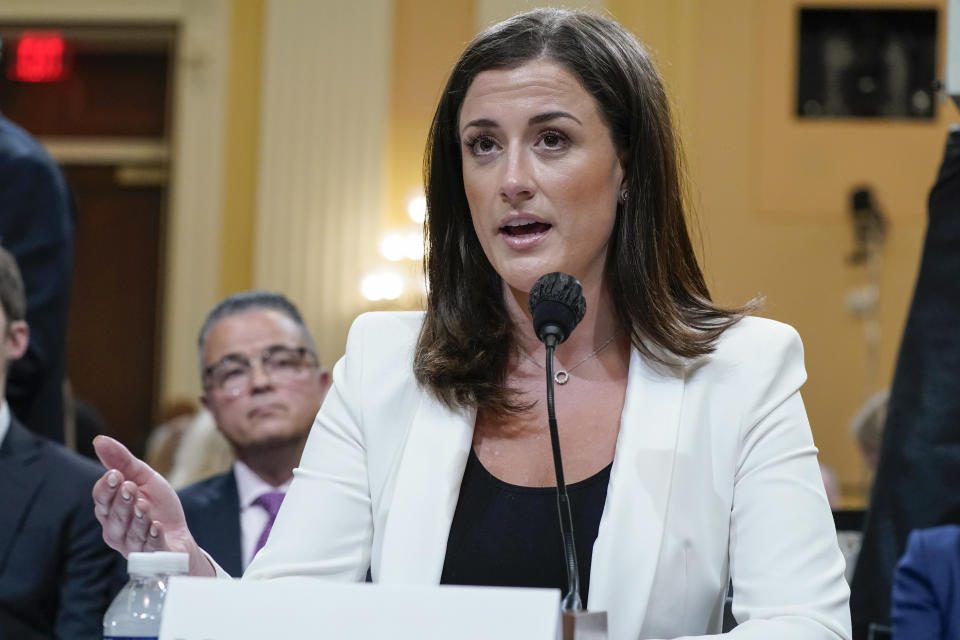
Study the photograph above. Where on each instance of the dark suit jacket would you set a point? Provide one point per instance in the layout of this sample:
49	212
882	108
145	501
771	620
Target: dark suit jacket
918	479
926	586
37	227
212	507
57	576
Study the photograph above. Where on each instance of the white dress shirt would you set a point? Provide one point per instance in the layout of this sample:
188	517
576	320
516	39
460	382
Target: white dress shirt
253	518
4	420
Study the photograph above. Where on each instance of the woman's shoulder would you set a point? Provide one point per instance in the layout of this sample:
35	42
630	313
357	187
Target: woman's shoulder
382	342
375	374
381	329
755	340
753	331
756	354
390	320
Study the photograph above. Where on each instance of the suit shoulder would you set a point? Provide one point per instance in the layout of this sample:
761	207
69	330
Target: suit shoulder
758	352
391	326
753	332
18	149
384	337
938	541
759	341
15	142
204	491
71	467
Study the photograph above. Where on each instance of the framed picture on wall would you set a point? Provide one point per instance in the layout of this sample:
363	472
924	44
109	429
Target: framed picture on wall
866	63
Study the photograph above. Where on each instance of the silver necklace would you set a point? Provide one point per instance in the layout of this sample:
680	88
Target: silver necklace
561	376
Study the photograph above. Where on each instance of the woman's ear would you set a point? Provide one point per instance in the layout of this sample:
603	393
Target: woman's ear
624	189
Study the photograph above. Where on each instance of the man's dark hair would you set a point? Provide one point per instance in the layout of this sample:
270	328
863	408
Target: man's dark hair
651	272
251	301
13	298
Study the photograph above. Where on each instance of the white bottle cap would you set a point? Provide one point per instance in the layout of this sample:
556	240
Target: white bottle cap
158	563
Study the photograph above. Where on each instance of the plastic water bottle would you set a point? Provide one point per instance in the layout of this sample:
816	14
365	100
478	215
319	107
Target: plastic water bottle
135	612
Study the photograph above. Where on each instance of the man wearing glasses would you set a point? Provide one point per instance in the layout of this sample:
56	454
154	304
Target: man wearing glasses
263	384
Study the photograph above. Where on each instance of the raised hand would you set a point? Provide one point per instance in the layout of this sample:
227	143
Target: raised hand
139	510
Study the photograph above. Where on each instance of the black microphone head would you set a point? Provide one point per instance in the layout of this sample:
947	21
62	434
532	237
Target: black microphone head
557	304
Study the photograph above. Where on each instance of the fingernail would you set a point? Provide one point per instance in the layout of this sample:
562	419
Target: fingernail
137	512
153	531
124	493
113	479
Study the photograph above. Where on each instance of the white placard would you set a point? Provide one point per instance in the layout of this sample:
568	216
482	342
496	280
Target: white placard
295	608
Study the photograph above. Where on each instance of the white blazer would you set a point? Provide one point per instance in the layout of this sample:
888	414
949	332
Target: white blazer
715	477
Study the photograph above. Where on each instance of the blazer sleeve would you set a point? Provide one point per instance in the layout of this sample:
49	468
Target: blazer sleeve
915	612
325	526
91	573
785	563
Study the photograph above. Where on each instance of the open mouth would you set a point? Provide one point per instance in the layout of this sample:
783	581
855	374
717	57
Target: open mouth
527	229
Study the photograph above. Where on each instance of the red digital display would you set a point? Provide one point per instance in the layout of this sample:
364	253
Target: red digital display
40	56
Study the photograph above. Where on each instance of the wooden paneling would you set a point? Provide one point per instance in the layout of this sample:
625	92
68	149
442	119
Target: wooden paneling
111	341
114	102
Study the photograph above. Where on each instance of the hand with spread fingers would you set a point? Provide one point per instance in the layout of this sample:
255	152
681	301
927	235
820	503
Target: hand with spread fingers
139	510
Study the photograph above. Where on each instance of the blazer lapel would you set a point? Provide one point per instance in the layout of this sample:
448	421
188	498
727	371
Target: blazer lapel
223	520
425	494
233	548
20	479
631	528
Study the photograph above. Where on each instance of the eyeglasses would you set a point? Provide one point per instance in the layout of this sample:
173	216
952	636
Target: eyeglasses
233	375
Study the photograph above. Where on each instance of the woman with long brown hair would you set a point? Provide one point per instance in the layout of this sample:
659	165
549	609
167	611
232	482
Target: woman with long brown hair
685	442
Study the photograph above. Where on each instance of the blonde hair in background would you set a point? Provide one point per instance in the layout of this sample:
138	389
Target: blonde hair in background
202	452
866	426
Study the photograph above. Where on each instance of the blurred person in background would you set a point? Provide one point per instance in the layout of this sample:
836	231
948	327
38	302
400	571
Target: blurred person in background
164	439
37	227
187	446
831	484
201	453
866	427
926	598
57	576
917	478
262	386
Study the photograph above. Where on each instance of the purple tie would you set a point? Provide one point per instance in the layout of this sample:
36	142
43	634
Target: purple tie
270	501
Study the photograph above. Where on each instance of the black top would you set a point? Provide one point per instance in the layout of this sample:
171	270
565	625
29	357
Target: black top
509	536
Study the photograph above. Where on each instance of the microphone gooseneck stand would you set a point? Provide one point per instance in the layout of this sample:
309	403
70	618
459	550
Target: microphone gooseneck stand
557	306
571	600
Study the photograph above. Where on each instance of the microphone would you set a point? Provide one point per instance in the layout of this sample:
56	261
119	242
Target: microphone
557	305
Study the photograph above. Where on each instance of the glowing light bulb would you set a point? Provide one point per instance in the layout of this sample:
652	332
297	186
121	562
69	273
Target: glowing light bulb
417	209
381	285
400	245
393	247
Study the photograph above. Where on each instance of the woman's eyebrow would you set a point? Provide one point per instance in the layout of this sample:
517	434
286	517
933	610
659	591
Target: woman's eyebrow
552	115
481	122
537	119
